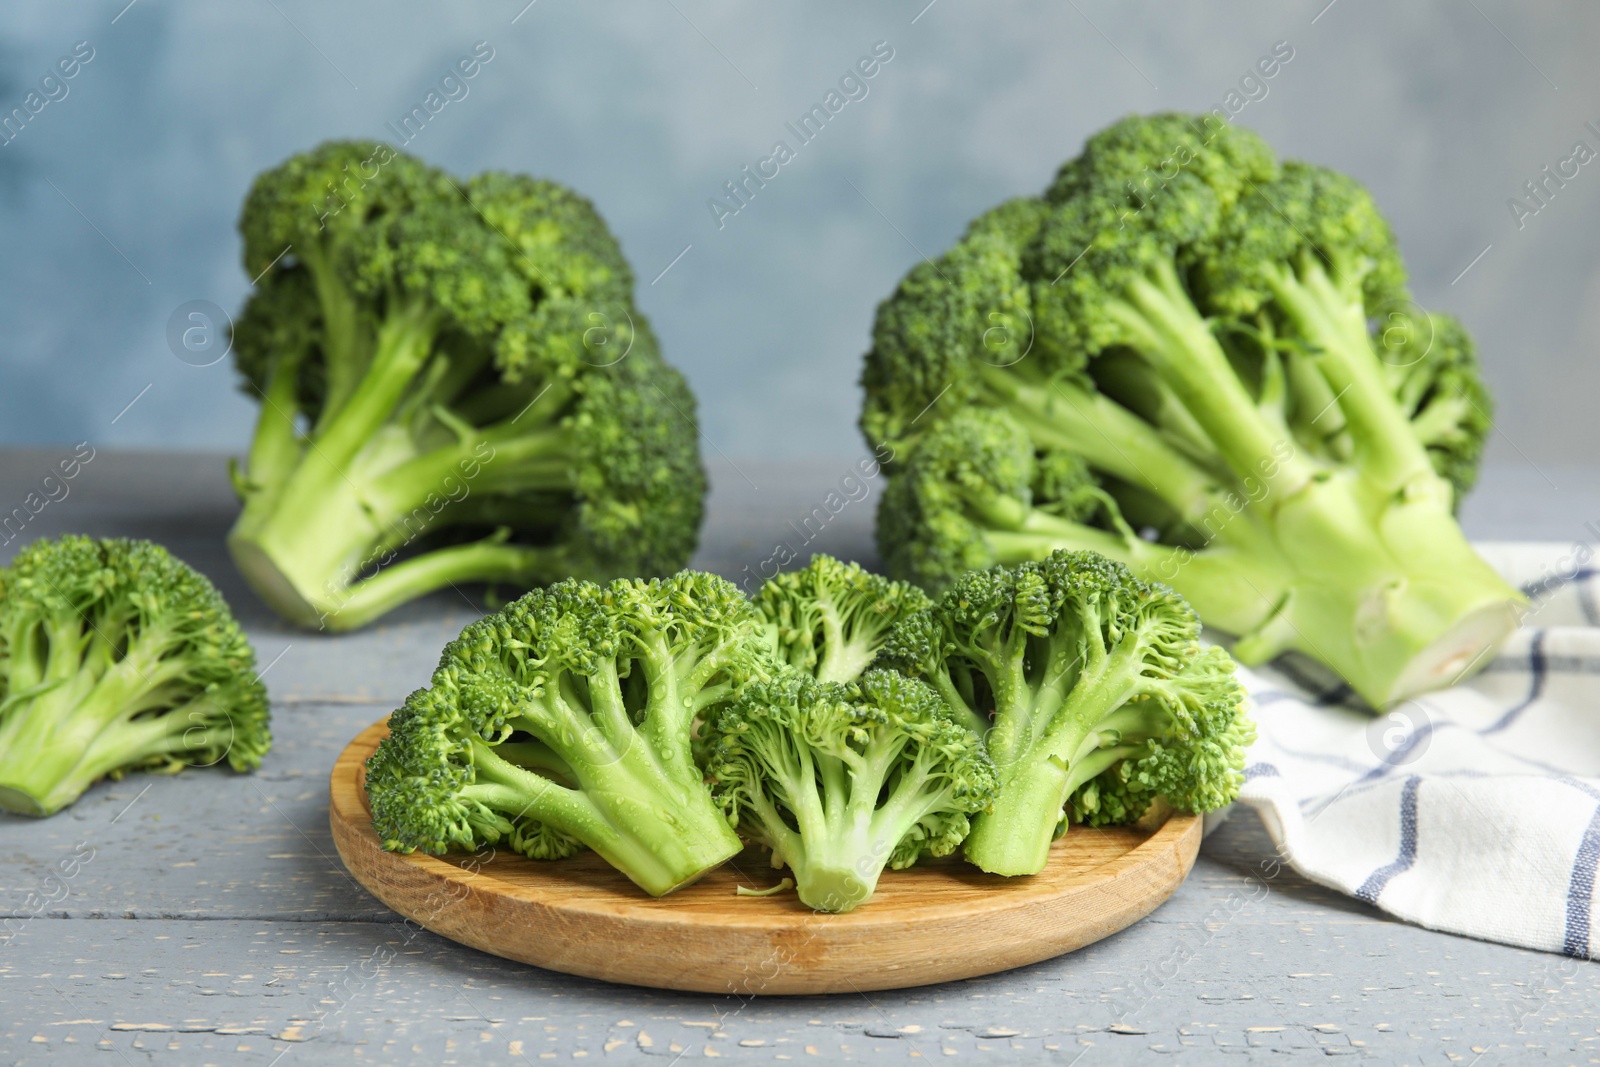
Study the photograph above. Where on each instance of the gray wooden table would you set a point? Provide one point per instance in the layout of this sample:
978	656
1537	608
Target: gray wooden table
209	920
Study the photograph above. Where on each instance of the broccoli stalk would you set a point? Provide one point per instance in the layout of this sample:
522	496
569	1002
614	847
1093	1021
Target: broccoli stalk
454	389
564	720
831	618
1227	346
840	781
117	657
1101	699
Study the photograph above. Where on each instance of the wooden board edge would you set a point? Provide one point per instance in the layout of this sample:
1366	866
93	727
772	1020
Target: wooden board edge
798	961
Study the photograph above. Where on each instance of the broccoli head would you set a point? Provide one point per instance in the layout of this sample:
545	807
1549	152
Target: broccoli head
115	657
841	780
1093	692
1214	358
455	387
831	618
564	720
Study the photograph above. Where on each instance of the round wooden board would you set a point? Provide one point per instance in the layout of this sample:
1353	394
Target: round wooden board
936	922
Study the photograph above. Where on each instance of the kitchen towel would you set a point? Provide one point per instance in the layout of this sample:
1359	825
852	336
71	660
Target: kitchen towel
1474	809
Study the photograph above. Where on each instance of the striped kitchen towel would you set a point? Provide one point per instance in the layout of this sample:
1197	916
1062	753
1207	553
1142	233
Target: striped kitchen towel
1474	810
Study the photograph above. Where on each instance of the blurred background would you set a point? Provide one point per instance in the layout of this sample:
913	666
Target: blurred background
118	196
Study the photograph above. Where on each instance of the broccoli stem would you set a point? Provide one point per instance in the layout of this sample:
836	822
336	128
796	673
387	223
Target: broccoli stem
844	840
275	448
1386	591
320	527
91	717
1048	724
1107	435
1013	837
1332	317
346	335
488	560
652	819
1178	341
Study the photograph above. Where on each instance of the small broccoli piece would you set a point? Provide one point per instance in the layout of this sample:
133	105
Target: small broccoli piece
840	781
565	719
116	657
1095	694
965	501
1227	347
831	618
455	387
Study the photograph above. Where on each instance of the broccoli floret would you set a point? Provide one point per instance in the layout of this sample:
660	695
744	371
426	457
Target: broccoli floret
455	387
841	780
1226	346
565	720
116	657
831	618
1094	692
966	500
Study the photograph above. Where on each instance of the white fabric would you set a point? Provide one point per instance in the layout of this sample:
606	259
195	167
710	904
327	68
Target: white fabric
1475	809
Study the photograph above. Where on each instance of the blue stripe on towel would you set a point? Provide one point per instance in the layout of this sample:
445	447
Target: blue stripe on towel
1580	891
1261	770
1539	669
1378	879
1550	584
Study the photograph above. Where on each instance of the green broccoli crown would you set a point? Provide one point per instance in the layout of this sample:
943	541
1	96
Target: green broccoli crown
1211	364
951	321
565	719
485	403
1093	691
116	656
831	618
841	780
562	246
639	491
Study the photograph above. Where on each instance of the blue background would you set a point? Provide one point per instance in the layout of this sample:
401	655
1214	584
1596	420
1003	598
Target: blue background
117	203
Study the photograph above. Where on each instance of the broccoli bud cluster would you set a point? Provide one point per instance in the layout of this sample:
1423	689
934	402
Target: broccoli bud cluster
844	722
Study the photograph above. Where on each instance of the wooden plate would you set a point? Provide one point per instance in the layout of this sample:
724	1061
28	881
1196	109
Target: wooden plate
934	923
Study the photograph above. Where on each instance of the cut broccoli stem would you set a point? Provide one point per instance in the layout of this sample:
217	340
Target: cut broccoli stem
1013	837
1057	711
1388	592
845	838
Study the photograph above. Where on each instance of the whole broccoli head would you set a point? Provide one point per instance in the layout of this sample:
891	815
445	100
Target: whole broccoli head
480	400
1216	357
1093	692
564	720
829	619
116	657
841	780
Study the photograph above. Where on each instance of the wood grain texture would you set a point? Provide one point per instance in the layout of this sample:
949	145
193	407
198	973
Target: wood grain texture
934	923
